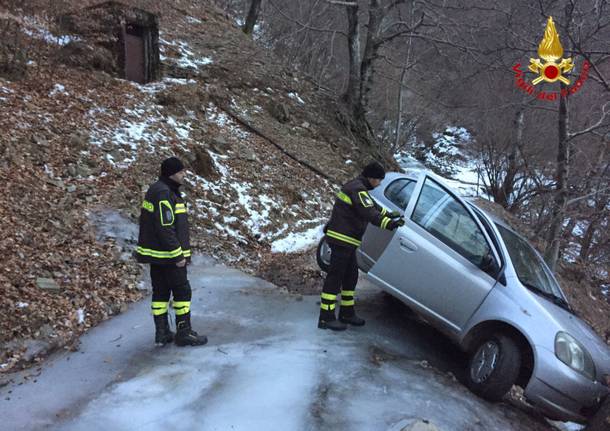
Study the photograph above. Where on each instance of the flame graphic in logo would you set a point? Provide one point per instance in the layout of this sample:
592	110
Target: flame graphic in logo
550	50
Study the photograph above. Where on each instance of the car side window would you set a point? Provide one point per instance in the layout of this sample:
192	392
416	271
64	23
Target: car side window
399	192
446	218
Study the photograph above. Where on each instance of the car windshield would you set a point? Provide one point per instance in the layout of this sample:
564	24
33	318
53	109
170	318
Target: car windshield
530	268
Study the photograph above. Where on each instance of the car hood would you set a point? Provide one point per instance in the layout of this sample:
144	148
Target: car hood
577	328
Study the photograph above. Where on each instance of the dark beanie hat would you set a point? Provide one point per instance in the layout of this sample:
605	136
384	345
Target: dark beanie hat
171	166
374	170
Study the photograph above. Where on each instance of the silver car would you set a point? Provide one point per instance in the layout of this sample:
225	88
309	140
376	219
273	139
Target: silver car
479	282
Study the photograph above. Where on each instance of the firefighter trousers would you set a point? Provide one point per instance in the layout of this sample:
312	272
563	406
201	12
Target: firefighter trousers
341	278
167	281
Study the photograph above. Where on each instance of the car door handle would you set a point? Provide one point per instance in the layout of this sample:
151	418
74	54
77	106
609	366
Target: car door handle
407	244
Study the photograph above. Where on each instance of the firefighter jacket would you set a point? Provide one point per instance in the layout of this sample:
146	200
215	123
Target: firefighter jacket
353	210
164	227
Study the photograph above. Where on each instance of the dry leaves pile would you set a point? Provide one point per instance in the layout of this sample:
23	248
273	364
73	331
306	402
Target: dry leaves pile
69	147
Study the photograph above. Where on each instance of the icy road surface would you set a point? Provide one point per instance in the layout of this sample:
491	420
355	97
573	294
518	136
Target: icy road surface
266	367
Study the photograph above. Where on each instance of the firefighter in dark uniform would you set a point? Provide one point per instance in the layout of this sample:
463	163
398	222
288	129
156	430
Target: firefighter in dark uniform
353	210
163	243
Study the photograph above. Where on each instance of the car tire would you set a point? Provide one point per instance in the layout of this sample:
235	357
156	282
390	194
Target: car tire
493	367
323	254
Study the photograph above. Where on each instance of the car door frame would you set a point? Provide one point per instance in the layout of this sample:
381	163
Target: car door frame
408	214
375	239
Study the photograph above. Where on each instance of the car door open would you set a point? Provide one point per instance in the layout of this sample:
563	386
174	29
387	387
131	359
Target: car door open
441	261
395	197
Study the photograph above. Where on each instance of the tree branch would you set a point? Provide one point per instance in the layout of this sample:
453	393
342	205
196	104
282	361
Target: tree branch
597	125
303	25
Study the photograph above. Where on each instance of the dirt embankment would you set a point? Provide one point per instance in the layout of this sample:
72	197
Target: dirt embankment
263	145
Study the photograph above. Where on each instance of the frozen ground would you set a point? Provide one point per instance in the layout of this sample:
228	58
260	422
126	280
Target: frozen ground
266	366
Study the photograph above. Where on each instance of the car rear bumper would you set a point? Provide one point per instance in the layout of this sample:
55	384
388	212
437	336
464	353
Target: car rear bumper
561	392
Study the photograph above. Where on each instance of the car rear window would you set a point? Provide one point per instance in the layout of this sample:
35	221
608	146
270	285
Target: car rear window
448	220
399	192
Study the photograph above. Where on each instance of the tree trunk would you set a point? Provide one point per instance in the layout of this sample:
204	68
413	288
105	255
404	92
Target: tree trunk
352	93
371	49
399	108
508	184
561	188
255	7
600	205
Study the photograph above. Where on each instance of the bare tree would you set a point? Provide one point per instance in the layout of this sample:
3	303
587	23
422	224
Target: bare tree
252	17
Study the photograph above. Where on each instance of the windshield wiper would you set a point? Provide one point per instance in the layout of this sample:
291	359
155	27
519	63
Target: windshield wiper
555	299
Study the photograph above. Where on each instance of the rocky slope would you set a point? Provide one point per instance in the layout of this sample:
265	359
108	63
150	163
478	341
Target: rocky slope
263	145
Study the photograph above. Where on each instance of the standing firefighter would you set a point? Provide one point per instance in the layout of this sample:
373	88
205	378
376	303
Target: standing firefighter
164	244
353	210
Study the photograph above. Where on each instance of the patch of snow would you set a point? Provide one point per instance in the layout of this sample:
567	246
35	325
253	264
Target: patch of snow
566	426
193	20
22	304
140	127
182	129
298	241
38	31
80	314
58	89
579	229
295	96
188	59
467	181
215	115
48	171
167	82
348	162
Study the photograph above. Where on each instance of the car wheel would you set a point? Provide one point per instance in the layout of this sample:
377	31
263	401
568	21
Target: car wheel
494	367
323	254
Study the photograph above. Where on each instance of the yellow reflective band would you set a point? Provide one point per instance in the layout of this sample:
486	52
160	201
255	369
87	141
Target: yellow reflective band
186	253
180	209
384	211
182	307
344	238
365	199
327	307
328	296
385	222
159	253
148	206
348	292
345	198
167	205
347	302
159	308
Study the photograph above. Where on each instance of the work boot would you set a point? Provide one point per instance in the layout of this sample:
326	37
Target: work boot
163	335
327	320
185	336
348	315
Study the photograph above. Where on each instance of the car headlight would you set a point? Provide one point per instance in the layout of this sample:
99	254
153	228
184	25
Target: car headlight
574	355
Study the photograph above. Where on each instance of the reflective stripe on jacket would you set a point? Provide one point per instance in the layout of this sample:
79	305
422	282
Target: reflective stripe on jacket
353	210
164	227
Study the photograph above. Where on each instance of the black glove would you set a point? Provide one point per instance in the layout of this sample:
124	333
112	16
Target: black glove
393	214
396	223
